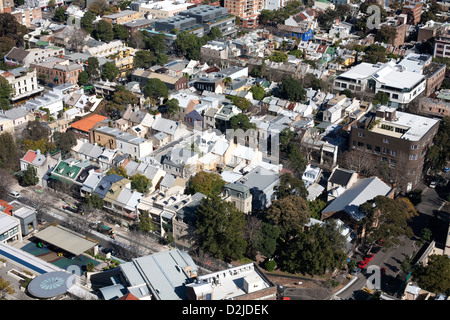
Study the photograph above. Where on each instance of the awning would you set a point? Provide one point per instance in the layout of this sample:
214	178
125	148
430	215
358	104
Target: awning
65	239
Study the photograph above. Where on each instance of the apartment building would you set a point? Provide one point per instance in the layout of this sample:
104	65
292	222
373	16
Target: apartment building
20	56
121	17
25	15
160	9
414	11
247	10
23	80
398	28
397	138
172	82
6	6
210	16
442	43
400	84
58	71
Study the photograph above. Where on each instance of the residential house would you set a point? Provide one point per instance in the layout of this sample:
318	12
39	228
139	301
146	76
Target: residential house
136	147
82	128
339	181
19	115
42	163
6	124
171	82
57	71
362	191
26	215
180	162
239	195
26	57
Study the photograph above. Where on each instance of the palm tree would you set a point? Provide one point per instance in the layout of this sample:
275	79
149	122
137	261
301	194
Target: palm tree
227	81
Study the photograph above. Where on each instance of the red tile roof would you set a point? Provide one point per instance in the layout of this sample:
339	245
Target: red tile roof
128	296
87	123
6	208
30	156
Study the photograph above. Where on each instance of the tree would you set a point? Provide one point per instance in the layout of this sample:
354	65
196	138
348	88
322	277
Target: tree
98	7
278	56
220	229
435	275
120	171
60	14
374	53
241	102
29	177
92	68
315	251
241	121
51	4
9	157
267	239
144	59
173	106
35	131
87	21
258	92
145	223
6	92
207	183
83	78
316	207
385	219
291	89
12	29
64	141
290	215
7	179
296	159
104	31
215	33
438	155
380	98
155	89
110	71
120	32
141	183
155	43
93	201
289	185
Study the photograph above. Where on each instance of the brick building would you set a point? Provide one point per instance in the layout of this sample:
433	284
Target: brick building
397	138
57	71
414	12
247	10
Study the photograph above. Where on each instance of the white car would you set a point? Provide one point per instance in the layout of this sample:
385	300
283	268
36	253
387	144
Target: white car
433	184
14	194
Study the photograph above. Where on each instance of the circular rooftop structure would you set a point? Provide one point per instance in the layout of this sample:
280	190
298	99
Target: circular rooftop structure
50	284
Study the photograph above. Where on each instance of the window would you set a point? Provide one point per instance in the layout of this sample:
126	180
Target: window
413	157
361	134
393	153
386	141
415	147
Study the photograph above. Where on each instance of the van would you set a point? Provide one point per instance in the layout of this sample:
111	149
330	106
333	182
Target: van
14	194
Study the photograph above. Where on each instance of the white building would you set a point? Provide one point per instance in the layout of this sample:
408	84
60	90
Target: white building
401	86
134	146
23	81
9	228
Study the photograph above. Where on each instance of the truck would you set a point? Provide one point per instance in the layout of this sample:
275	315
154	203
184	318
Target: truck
106	230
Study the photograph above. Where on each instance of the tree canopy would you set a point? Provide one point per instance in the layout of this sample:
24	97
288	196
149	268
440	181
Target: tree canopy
220	229
292	90
241	121
208	183
435	275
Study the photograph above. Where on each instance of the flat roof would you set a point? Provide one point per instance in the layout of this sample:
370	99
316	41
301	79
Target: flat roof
65	239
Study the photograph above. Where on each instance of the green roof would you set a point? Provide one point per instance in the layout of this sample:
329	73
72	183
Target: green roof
65	171
42	43
330	50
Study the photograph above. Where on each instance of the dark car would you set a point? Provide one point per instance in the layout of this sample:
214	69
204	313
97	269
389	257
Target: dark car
69	208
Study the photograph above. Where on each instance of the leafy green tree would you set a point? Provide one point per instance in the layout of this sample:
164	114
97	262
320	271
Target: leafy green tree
290	214
215	33
92	68
392	220
110	71
155	89
292	90
60	14
144	59
154	43
161	58
435	275
120	32
93	201
296	159
120	171
315	251
259	71
87	22
241	121
141	183
83	78
316	207
374	53
188	45
258	92
240	102
380	98
267	239
173	106
220	229
278	56
64	141
439	153
289	185
145	223
6	92
29	177
12	29
104	31
35	131
207	183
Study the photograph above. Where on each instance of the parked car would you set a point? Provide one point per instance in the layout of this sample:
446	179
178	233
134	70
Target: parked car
14	194
368	257
446	169
355	271
433	183
362	264
69	208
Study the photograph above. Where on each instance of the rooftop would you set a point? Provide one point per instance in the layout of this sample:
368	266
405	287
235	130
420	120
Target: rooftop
87	123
